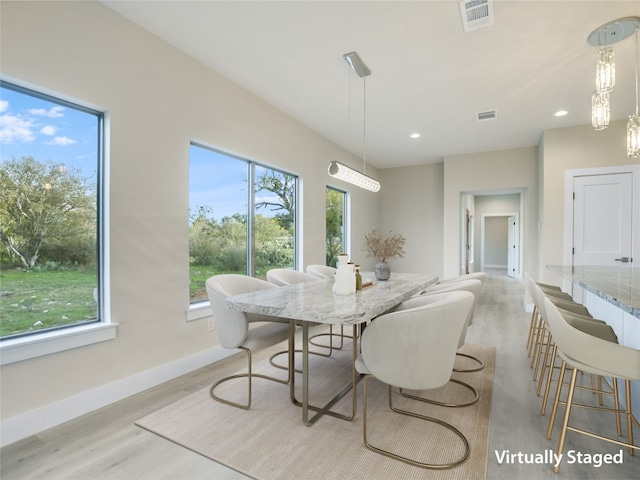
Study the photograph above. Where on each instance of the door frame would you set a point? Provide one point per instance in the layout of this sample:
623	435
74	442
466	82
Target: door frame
518	254
568	205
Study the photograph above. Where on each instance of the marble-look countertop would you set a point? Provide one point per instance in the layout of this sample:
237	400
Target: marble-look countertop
617	285
316	302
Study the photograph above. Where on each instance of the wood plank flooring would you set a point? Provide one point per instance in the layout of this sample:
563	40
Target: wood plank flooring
107	445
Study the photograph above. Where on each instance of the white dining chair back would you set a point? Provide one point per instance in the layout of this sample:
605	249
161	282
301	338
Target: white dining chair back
244	331
321	271
415	348
286	276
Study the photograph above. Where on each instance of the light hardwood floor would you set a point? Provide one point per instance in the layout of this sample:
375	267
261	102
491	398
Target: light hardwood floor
106	443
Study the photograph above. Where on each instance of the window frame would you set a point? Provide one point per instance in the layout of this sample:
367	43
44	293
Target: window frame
23	347
346	225
202	308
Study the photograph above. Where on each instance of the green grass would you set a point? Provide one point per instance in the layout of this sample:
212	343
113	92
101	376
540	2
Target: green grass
36	300
39	299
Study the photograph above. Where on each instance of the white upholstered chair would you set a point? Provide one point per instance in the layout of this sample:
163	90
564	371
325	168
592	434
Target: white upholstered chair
415	348
472	286
287	276
467	276
321	271
581	351
244	331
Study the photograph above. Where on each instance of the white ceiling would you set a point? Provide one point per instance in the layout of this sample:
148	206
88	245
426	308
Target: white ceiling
428	75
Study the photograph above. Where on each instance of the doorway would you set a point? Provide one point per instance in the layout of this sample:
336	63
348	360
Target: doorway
500	242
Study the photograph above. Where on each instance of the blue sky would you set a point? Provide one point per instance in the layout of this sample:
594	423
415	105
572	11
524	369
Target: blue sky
48	132
220	181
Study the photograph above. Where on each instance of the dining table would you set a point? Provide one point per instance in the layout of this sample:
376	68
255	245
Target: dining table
315	302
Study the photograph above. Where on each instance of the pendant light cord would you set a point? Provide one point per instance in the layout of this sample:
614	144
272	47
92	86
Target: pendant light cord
364	125
636	71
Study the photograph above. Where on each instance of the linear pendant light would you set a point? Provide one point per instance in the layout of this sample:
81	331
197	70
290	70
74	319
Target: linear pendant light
342	172
339	170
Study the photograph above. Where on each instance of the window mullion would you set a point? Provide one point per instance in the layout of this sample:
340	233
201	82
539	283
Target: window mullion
251	234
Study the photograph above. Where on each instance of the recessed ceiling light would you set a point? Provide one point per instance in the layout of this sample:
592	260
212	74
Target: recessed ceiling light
561	113
415	135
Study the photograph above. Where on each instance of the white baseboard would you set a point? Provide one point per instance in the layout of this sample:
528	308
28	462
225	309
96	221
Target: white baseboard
35	421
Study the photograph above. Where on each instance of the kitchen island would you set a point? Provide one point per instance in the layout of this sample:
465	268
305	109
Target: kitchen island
611	294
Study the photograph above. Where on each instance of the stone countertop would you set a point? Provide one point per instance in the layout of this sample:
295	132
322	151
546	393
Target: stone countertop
316	302
617	285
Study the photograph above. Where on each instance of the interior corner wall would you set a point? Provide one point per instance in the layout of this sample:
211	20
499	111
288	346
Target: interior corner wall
567	149
489	173
156	101
411	203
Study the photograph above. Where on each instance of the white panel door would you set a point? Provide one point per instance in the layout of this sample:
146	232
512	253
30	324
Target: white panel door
602	219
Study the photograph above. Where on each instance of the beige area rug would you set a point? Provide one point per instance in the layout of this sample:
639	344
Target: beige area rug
270	442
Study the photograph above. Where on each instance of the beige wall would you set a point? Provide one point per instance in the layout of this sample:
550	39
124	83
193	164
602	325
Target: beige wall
411	204
568	149
156	100
502	171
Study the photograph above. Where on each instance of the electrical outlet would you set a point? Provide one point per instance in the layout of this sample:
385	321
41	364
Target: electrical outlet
210	325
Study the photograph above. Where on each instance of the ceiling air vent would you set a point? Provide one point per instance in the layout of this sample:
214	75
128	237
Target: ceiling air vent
485	116
476	13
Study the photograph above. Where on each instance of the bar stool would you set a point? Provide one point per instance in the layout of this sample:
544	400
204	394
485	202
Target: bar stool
583	352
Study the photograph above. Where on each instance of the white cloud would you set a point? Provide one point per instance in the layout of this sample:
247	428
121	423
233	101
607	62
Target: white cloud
3	105
15	129
53	112
62	141
48	130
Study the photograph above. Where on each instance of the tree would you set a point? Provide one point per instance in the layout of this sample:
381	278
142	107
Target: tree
42	205
335	207
284	187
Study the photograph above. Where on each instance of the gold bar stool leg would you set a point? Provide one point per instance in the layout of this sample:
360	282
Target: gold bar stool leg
627	387
532	325
545	366
547	389
554	410
567	412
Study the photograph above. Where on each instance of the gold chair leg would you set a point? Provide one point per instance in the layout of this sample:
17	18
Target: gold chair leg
331	335
476	396
467	370
437	466
249	375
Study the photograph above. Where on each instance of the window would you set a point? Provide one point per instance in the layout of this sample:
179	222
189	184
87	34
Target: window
336	224
242	218
50	194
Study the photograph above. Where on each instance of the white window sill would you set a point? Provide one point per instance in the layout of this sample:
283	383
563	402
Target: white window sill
45	343
199	310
